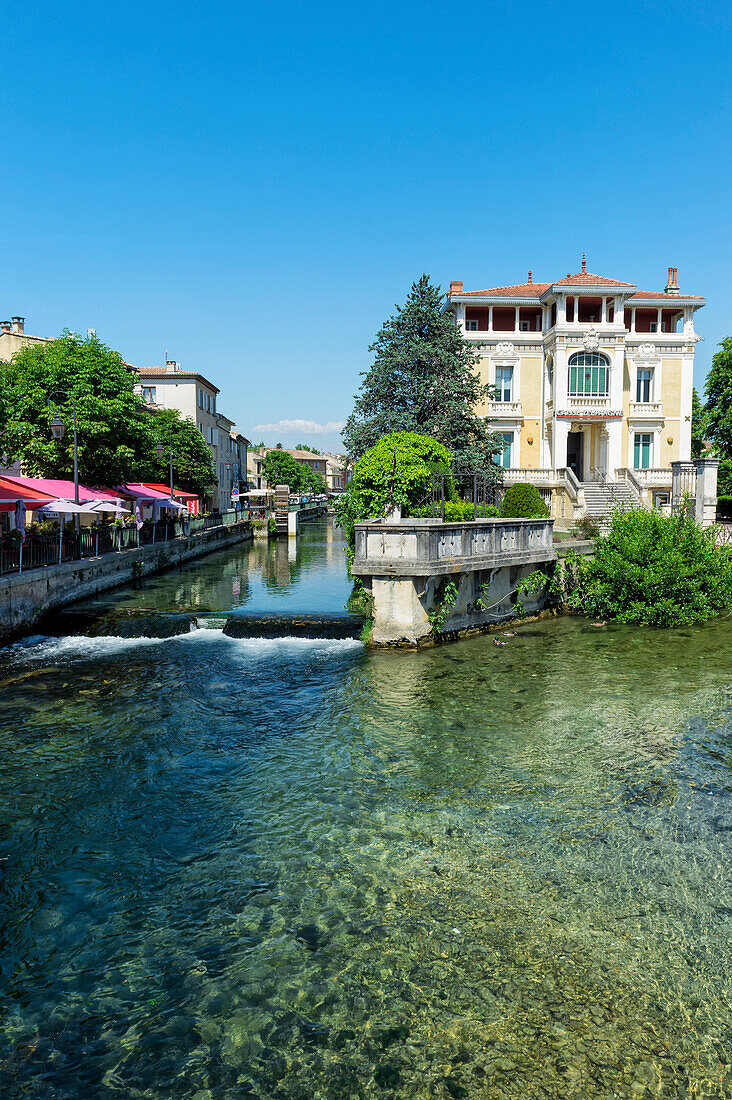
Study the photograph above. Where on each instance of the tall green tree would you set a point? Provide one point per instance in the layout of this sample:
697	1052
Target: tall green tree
718	412
698	425
114	428
193	466
280	468
424	379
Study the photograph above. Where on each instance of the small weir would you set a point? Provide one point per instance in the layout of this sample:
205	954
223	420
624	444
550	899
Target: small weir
238	625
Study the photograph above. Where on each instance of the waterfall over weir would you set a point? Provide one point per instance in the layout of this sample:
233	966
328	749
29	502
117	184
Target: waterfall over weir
145	624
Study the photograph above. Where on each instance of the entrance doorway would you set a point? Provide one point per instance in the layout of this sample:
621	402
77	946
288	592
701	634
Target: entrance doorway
575	448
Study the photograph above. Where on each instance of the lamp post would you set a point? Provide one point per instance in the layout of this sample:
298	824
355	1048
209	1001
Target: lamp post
160	452
58	428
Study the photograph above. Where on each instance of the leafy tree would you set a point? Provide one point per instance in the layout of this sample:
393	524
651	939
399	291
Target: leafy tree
193	467
423	380
114	429
698	425
523	500
654	570
718	413
404	460
719	399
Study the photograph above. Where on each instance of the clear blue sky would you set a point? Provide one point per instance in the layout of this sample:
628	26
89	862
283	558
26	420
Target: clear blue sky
252	186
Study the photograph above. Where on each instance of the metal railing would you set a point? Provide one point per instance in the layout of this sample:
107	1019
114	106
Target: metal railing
36	550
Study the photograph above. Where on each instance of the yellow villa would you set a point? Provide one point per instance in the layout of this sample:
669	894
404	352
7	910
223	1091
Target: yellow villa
593	384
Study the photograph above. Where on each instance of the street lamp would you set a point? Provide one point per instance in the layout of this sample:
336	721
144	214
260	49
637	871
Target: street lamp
58	429
160	452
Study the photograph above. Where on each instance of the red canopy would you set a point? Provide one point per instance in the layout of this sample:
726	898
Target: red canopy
11	492
178	494
54	489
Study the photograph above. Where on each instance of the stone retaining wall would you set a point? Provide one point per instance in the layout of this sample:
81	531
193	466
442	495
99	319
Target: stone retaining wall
26	597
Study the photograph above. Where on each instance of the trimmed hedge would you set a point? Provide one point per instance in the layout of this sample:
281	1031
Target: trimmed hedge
523	501
456	511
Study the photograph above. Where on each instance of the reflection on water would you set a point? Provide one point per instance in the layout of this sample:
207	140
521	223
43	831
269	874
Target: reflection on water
295	868
304	574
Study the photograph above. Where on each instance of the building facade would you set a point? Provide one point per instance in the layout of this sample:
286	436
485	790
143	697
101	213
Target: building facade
195	397
593	379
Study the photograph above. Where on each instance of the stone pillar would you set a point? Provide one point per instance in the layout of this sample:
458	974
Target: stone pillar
706	490
559	443
490	318
682	483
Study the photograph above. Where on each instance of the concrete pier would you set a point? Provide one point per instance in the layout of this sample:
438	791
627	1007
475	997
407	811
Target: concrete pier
408	565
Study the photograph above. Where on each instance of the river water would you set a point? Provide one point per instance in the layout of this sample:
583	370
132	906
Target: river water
297	868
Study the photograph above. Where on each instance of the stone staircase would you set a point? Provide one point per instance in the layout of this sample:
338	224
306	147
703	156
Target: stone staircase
602	497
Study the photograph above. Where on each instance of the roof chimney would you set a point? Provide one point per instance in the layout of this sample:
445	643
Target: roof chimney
672	287
529	279
5	326
584	264
456	286
19	325
170	364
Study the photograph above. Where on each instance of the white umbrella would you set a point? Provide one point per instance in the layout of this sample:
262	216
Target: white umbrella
105	506
63	506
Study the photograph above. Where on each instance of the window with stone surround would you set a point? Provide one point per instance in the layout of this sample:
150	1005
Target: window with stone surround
589	375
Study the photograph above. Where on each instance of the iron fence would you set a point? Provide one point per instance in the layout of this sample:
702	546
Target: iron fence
480	491
37	550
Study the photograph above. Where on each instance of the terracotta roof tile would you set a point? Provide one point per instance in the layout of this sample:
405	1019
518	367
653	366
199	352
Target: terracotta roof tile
521	290
662	294
585	278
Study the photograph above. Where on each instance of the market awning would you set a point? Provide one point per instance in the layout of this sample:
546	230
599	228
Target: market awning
11	492
144	495
56	489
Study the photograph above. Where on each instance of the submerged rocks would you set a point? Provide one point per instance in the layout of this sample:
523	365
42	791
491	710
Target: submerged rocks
310	936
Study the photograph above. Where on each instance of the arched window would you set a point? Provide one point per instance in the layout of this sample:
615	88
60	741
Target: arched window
589	374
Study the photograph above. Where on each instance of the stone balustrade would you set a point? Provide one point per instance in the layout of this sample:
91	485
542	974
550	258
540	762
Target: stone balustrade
427	547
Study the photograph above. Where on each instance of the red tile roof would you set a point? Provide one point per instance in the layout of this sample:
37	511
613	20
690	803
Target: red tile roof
584	278
522	290
662	294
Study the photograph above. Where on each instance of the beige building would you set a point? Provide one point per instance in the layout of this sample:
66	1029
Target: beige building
593	383
195	397
13	337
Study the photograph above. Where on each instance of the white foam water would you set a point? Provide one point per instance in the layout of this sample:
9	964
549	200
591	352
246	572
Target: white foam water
82	647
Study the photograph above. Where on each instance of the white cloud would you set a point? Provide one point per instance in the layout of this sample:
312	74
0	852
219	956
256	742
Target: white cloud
307	427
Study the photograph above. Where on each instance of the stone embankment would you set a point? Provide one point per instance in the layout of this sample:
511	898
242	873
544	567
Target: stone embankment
26	597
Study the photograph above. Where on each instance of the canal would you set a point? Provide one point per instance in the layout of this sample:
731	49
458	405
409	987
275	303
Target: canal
297	868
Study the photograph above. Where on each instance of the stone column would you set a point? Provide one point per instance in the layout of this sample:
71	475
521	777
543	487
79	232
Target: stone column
490	318
682	483
706	490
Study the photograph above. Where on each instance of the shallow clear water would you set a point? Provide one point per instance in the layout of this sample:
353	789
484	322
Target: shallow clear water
296	868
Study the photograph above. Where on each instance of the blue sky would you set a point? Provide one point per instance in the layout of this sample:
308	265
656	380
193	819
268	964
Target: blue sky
252	187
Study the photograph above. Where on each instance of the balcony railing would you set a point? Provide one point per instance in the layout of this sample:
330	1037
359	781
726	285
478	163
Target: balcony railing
505	408
646	408
585	402
660	476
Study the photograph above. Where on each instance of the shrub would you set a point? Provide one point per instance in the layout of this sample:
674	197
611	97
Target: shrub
523	501
724	507
456	511
367	496
656	570
587	528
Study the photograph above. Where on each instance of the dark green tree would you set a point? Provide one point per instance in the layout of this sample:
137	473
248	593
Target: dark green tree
114	428
280	468
718	413
193	467
698	425
424	379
